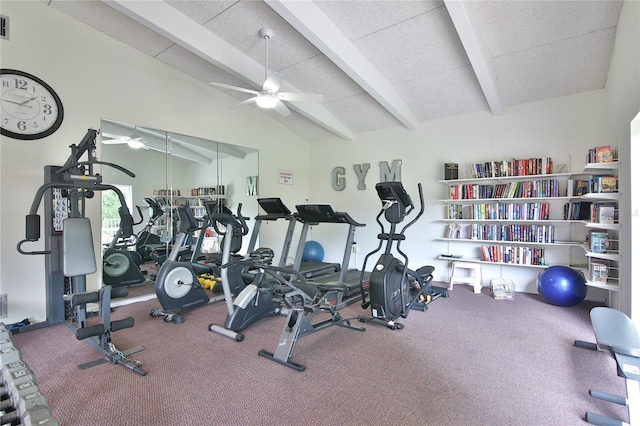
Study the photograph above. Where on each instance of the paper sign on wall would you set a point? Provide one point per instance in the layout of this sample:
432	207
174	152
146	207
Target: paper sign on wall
285	177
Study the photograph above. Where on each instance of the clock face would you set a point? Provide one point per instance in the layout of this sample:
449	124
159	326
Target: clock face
29	107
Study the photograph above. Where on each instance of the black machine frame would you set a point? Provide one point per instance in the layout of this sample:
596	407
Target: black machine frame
66	296
393	288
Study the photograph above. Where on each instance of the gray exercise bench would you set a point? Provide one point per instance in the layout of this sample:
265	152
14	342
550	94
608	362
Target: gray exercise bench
616	334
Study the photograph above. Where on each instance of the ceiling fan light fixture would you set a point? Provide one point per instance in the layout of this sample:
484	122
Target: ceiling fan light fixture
266	100
135	143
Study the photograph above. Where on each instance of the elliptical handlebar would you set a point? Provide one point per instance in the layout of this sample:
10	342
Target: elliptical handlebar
420	213
239	222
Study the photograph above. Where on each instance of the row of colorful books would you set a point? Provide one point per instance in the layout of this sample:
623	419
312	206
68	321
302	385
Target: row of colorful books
539	188
206	192
499	211
513	167
166	192
519	233
519	255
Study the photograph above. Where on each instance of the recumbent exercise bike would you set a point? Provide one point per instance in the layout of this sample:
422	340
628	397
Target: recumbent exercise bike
394	289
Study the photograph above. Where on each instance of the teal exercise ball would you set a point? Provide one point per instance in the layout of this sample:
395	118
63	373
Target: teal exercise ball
313	252
562	286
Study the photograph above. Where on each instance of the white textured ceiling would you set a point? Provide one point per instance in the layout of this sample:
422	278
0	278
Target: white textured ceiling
379	64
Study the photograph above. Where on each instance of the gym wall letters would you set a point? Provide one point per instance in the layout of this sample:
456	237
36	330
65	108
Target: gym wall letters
387	174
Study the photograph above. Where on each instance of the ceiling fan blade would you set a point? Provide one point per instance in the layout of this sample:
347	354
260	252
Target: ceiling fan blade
282	109
239	89
299	97
245	102
272	84
116	141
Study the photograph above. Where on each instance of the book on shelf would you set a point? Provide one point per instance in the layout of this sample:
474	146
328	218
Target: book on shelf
599	273
604	213
580	187
453	231
579	210
598	241
600	184
602	154
450	171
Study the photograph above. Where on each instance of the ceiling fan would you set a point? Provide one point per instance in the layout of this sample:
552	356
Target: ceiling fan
270	96
134	141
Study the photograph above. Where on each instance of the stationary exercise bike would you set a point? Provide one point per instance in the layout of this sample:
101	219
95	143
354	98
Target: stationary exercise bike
177	286
259	299
394	289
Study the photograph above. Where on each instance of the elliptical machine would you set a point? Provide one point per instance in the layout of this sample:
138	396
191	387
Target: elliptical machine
119	265
394	289
147	241
177	286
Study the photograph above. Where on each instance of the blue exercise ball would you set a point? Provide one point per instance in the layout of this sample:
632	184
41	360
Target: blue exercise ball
313	251
561	286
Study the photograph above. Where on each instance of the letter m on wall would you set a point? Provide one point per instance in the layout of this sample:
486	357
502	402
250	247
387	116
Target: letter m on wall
390	174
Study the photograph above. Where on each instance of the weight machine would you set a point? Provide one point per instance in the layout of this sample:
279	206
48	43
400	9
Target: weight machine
69	251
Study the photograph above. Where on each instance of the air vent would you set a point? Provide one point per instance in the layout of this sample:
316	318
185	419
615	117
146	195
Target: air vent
4	27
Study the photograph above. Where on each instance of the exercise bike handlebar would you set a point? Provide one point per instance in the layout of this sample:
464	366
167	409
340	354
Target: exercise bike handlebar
238	222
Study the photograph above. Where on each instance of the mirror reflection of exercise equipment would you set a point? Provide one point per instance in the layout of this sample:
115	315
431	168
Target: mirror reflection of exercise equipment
168	164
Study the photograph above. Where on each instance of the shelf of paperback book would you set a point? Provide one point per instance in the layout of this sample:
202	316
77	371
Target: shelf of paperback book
601	166
524	243
505	178
611	286
488	262
604	256
601	196
503	200
511	221
599	225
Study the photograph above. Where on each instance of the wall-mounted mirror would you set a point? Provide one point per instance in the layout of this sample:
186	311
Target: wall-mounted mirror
170	169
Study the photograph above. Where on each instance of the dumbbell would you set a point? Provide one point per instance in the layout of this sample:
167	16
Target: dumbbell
5	333
8	355
37	415
22	395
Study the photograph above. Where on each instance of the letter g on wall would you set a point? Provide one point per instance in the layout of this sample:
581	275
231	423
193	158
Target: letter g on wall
337	178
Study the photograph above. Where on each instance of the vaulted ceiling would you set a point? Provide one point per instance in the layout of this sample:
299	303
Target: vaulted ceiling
378	64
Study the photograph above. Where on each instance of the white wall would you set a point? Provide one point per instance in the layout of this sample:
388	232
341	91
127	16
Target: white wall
97	76
561	128
622	105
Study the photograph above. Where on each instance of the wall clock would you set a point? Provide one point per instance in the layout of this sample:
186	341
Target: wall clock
29	107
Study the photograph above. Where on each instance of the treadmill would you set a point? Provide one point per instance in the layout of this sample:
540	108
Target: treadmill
315	214
275	209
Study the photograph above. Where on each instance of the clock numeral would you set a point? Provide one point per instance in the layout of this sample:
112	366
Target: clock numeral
22	125
46	108
20	84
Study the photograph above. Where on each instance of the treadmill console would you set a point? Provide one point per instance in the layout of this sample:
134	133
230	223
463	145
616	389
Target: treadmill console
273	206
